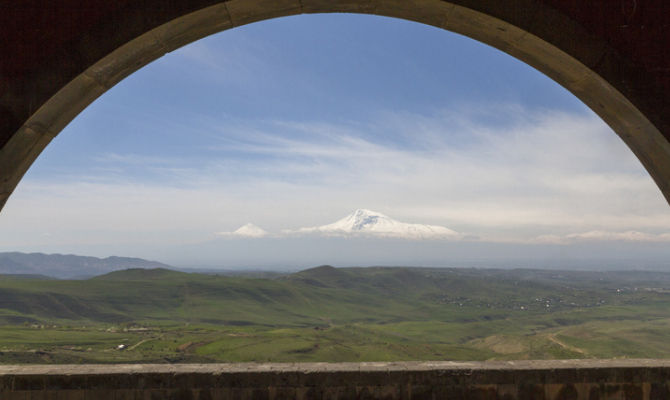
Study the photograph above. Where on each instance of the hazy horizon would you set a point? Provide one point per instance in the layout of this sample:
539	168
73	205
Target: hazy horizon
619	261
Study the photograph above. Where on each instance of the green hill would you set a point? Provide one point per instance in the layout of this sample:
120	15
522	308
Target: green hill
308	297
336	314
142	274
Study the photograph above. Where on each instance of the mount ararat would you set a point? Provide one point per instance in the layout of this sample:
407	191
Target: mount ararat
362	222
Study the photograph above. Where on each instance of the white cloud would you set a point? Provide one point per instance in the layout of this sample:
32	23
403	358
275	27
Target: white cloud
543	173
600	236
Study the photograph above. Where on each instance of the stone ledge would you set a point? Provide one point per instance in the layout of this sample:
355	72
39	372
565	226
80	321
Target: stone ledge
402	366
509	380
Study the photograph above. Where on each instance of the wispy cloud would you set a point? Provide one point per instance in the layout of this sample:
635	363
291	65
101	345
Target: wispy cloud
601	236
544	174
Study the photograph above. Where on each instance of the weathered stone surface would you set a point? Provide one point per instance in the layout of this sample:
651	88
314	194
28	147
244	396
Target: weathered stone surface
518	380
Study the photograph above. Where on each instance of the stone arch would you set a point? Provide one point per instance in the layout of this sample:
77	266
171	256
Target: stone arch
107	41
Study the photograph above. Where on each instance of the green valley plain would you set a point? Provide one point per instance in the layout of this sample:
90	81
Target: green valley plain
335	314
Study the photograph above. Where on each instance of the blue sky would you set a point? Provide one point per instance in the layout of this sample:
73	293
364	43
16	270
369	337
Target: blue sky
298	121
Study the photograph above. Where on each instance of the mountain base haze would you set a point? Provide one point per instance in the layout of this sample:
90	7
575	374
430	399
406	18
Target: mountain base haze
68	265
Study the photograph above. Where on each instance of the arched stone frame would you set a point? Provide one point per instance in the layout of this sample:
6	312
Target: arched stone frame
531	31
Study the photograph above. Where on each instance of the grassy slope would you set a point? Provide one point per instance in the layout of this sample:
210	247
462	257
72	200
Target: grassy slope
330	314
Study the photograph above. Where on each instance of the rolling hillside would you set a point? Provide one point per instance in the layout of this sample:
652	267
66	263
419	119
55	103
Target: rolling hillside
338	314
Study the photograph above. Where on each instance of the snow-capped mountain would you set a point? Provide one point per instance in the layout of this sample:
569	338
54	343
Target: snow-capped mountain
248	231
364	222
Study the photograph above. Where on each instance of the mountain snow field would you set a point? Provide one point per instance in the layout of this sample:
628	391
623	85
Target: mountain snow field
249	231
361	222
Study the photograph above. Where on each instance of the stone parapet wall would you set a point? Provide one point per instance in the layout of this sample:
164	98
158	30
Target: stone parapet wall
537	380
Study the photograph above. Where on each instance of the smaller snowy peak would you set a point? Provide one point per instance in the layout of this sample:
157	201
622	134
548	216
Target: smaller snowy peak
250	230
246	231
371	223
